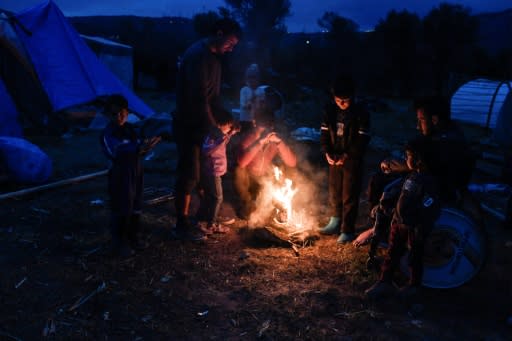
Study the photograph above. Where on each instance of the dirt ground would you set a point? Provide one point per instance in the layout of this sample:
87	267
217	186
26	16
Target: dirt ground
59	282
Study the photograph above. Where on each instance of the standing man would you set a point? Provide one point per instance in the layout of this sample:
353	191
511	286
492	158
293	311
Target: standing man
197	93
344	137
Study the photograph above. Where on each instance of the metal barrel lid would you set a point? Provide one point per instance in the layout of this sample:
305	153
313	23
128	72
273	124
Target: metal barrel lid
455	250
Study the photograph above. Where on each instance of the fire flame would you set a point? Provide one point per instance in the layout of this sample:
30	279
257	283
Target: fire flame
282	195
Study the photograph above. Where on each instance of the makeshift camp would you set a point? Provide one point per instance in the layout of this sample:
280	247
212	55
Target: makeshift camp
23	161
480	102
46	67
116	56
504	123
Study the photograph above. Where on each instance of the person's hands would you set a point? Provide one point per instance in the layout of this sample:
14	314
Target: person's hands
385	167
331	160
270	137
235	128
341	160
274	138
150	143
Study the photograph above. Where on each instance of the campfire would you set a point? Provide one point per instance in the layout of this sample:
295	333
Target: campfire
284	221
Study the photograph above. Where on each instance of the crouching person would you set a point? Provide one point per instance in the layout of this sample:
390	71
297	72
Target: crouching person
413	217
123	147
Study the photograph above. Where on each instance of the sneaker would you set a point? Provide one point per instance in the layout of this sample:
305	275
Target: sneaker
187	231
346	237
381	289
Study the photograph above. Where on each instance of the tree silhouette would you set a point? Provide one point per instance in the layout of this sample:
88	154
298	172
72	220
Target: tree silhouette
399	34
451	33
343	39
337	25
204	21
260	18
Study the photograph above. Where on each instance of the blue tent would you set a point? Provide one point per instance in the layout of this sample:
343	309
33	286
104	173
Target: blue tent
69	72
9	125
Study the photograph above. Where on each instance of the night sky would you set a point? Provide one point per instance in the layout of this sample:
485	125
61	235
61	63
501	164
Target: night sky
305	13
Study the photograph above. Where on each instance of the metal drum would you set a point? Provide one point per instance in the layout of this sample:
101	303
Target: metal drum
454	251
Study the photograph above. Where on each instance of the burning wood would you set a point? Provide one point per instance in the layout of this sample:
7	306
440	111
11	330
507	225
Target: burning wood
281	218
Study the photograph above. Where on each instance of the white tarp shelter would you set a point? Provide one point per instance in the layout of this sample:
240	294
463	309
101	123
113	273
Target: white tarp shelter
480	101
116	56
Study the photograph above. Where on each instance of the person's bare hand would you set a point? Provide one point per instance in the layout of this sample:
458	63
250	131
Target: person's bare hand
364	238
329	159
267	139
153	141
150	143
384	167
341	160
274	138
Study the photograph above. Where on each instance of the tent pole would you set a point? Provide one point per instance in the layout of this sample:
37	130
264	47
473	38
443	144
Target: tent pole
53	185
492	105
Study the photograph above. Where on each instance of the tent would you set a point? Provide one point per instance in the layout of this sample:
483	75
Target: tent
45	66
117	57
502	132
481	102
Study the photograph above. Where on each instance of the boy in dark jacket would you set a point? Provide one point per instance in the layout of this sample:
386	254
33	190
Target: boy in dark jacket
344	135
413	216
124	149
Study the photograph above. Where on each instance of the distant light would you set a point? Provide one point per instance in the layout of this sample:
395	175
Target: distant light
307	42
171	22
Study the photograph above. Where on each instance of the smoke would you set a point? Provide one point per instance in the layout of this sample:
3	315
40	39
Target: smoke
309	200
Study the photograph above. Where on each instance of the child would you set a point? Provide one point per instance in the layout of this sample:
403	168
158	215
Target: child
344	135
248	95
213	166
124	149
414	215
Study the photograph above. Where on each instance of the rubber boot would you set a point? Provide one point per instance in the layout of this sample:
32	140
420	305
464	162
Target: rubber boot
333	227
346	237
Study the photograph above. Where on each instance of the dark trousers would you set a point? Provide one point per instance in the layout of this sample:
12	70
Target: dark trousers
376	185
188	172
212	196
344	191
401	238
125	188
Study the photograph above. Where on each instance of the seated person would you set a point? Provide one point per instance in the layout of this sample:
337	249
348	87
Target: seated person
414	211
258	149
452	165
